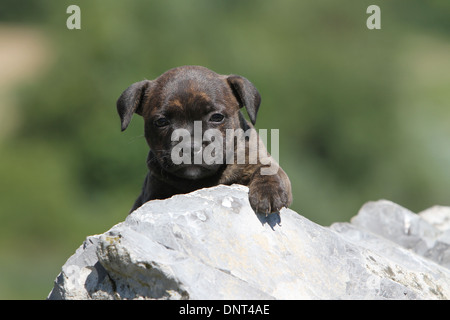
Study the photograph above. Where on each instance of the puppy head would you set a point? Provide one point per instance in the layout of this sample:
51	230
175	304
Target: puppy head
187	101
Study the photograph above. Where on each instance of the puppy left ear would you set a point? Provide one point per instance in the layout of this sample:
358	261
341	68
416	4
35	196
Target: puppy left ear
130	101
246	94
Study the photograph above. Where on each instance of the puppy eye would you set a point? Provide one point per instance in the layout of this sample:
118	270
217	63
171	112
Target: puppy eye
217	117
161	122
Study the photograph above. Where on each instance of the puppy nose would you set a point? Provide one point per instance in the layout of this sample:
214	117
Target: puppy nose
196	147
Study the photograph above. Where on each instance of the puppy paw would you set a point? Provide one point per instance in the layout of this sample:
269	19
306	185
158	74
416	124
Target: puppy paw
268	195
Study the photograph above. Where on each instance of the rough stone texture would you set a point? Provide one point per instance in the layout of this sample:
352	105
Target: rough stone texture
209	244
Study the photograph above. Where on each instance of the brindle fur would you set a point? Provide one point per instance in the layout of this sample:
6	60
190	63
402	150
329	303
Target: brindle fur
191	93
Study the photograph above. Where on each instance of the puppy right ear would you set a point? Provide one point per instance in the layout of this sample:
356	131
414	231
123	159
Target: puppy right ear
130	101
246	94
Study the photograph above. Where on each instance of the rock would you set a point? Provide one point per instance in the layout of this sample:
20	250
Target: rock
438	216
426	233
209	244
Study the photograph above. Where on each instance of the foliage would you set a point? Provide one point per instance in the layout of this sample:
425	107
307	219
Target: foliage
361	112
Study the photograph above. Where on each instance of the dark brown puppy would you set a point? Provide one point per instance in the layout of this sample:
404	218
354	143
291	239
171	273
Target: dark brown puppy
191	94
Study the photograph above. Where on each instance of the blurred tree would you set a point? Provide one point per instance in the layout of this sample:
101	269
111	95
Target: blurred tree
361	116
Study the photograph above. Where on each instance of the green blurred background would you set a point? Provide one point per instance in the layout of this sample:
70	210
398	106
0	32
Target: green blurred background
363	114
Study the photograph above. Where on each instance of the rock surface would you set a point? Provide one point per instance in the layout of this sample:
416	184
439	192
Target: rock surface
209	244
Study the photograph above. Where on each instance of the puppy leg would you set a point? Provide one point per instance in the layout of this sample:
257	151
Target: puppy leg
143	197
270	193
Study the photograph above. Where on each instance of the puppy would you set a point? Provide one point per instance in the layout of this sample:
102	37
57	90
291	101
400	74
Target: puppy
191	102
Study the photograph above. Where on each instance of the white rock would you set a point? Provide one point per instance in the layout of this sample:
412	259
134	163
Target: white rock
209	244
438	216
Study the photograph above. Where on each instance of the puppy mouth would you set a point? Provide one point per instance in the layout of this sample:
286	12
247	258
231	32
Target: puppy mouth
193	171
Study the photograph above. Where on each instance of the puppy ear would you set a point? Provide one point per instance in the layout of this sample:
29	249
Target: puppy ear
130	101
246	94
